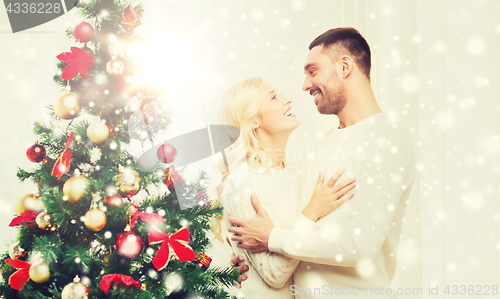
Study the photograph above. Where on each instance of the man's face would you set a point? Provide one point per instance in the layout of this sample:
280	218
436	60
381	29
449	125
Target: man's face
323	82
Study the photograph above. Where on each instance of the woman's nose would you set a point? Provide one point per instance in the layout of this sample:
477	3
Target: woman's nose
287	100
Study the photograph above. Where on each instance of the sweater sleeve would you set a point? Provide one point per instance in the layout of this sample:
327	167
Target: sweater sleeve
274	268
356	231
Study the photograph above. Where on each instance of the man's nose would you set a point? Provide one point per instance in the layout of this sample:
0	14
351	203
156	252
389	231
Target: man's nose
307	84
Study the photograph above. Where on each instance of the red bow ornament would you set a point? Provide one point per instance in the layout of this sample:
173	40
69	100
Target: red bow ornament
176	244
63	162
77	61
21	276
117	279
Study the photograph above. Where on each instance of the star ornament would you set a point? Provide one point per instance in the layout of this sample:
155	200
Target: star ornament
77	61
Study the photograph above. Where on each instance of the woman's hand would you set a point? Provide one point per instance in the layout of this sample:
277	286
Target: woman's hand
326	198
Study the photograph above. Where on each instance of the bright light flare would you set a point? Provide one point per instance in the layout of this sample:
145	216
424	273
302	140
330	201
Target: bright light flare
164	60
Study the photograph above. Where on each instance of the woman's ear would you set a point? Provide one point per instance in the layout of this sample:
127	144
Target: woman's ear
256	125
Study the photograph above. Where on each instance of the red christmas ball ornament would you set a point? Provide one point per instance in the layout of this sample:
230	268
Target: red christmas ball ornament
113	200
83	32
166	153
36	153
129	244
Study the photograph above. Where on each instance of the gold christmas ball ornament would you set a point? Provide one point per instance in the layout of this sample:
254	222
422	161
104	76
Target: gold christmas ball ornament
15	250
115	67
29	203
95	220
39	272
97	132
128	182
75	290
68	106
43	220
74	188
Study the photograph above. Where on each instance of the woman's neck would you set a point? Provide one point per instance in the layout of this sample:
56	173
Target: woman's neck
275	146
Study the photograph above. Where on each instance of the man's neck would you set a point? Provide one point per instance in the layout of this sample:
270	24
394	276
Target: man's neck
361	104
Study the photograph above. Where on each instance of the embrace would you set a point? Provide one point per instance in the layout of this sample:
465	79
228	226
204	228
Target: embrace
334	235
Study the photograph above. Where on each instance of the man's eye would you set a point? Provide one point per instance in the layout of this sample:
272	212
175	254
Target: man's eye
312	72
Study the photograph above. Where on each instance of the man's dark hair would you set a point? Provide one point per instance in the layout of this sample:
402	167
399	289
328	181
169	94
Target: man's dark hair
351	40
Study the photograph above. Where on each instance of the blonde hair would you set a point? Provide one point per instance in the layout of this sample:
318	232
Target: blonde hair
240	108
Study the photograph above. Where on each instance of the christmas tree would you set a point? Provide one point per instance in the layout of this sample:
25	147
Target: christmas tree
86	235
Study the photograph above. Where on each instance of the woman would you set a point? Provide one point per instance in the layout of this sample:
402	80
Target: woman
265	120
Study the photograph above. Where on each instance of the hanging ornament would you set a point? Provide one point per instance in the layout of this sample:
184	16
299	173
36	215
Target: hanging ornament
126	280
176	244
62	164
39	272
83	32
15	250
128	182
77	61
113	200
172	178
75	290
74	188
29	203
97	132
166	153
95	219
98	250
115	67
129	244
203	259
43	220
36	153
68	105
130	18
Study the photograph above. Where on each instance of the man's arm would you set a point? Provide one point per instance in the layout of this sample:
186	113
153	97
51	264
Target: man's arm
355	231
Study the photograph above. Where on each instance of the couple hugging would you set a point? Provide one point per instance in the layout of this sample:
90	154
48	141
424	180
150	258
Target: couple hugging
332	236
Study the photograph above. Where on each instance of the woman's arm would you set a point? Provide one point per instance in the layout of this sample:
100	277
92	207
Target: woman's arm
274	268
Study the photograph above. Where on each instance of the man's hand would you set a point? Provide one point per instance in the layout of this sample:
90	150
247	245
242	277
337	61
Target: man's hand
237	261
252	234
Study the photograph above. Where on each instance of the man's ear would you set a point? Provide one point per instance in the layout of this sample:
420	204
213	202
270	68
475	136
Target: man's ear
346	65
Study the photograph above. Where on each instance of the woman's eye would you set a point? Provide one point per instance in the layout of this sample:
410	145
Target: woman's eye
274	98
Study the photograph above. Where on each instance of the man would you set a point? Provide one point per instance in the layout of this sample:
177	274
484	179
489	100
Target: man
351	252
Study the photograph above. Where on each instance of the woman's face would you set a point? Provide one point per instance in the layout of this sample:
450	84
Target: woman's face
276	115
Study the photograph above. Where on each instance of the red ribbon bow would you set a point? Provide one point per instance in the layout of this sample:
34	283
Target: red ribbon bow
118	279
21	276
77	61
63	162
28	218
176	244
151	218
